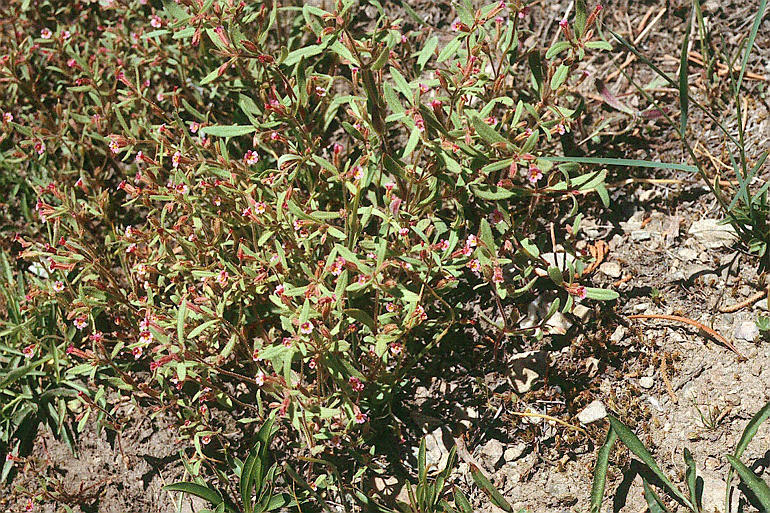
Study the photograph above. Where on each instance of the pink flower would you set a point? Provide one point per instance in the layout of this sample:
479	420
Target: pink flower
137	352
561	129
260	207
497	275
7	117
474	265
175	159
29	351
359	416
260	378
279	290
145	337
396	348
472	241
156	22
206	439
563	23
114	146
534	174
39	147
58	286
443	244
97	336
251	157
46	33
337	148
194	126
29	506
355	384
579	291
389	186
306	328
403	232
391	307
80	323
222	278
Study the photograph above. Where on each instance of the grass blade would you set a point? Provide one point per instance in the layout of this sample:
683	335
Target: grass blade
623	162
692	478
653	501
757	485
204	492
748	433
750	44
683	85
637	447
489	489
600	471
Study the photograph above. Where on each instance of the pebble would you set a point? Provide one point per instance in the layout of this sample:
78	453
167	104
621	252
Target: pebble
618	334
687	254
611	269
593	412
646	382
492	452
712	234
746	330
515	452
640	235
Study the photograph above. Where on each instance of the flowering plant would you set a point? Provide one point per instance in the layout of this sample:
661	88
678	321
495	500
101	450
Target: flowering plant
249	208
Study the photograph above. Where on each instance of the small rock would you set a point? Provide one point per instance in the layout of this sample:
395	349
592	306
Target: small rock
592	366
492	452
526	369
593	412
712	234
611	269
634	223
642	307
515	452
436	452
618	334
646	382
640	235
558	324
582	312
747	331
687	254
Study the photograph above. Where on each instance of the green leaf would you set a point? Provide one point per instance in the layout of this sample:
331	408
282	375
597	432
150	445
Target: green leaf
497	499
756	484
180	318
600	472
580	17
228	130
555	274
450	48
362	317
637	447
623	162
601	294
684	98
20	372
750	44
462	502
491	192
486	132
692	476
427	51
599	45
204	492
748	433
559	76
306	51
557	48
653	501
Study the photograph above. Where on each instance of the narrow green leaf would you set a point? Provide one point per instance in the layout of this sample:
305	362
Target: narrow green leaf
692	477
181	315
637	447
757	485
600	472
496	497
204	492
750	44
684	98
227	130
580	17
748	433
654	503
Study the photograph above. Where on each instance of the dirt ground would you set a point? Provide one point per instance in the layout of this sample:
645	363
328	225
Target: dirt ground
675	386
